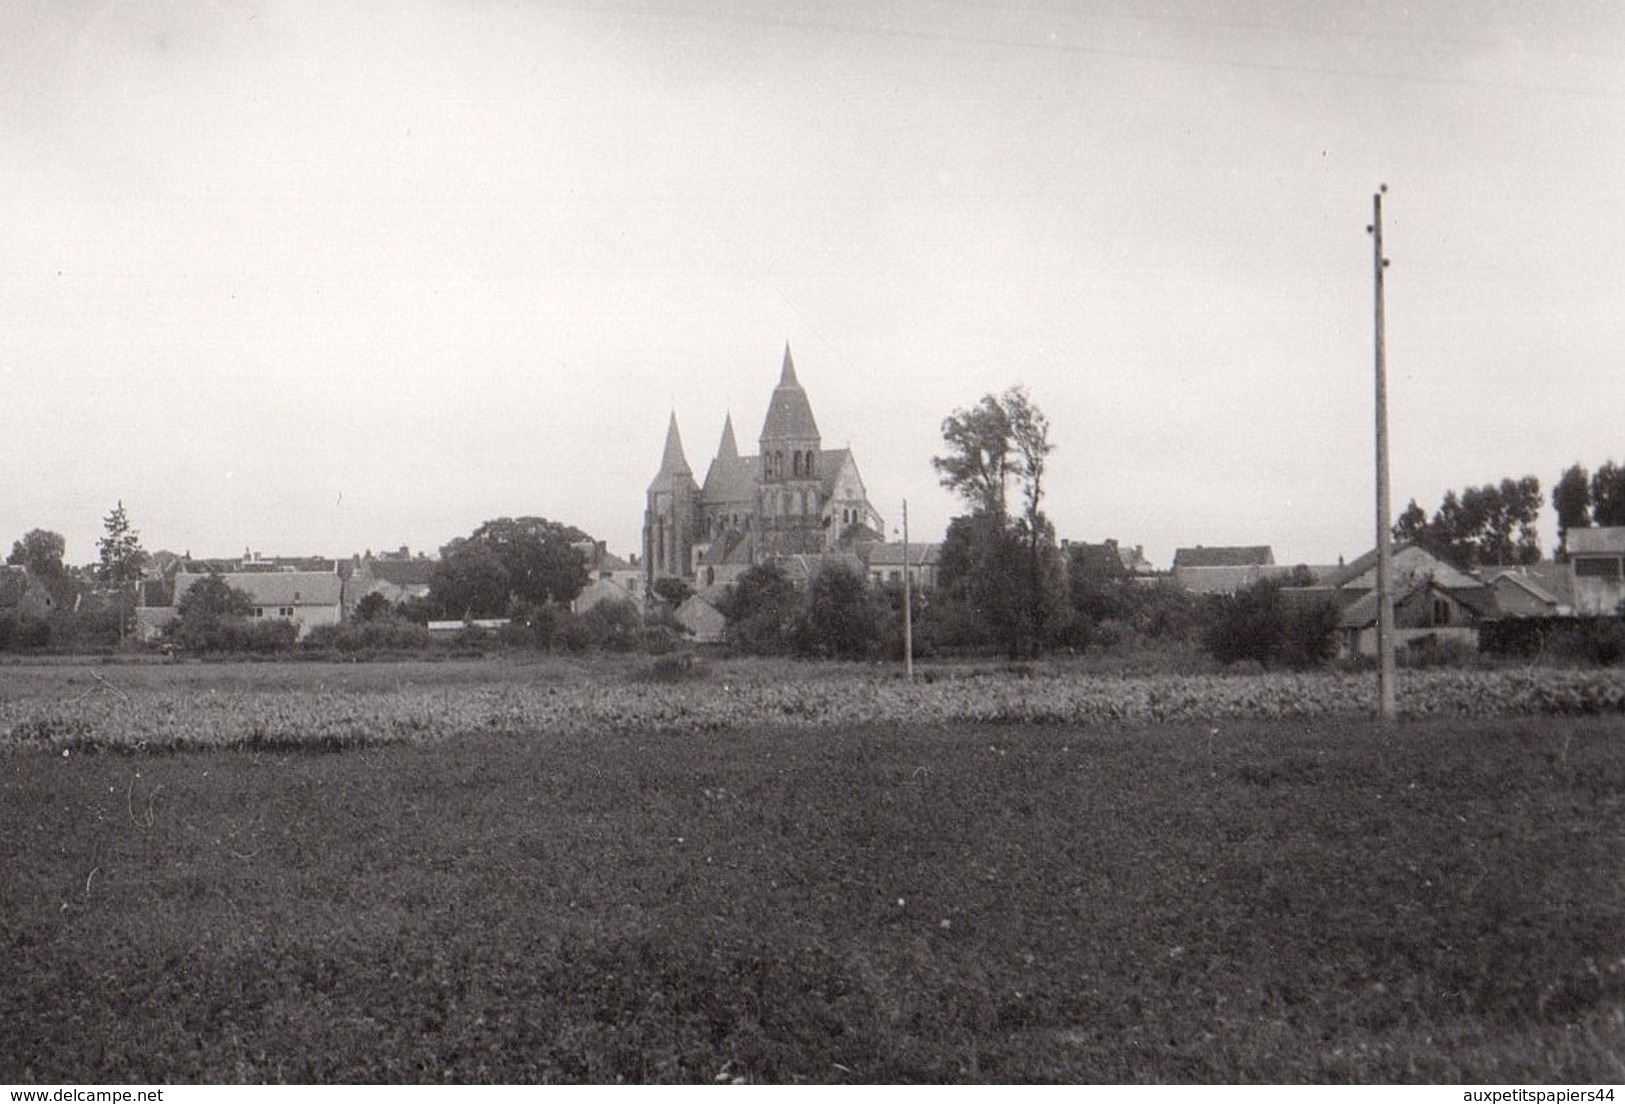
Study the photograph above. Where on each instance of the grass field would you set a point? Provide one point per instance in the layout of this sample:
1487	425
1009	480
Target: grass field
1298	900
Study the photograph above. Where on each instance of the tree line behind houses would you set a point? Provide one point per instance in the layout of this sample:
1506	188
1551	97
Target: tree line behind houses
1004	586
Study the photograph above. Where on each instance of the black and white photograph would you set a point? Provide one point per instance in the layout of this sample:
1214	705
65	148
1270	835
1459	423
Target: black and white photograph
736	543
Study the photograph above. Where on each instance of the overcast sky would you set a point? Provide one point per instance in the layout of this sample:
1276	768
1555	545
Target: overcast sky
323	277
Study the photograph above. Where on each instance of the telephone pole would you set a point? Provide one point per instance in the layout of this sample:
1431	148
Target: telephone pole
908	604
1385	597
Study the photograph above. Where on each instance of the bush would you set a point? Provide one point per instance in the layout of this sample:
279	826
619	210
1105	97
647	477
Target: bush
612	626
840	617
390	635
23	633
207	634
1257	624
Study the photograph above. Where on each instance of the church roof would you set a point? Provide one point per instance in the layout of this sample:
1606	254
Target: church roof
789	414
673	464
830	463
731	480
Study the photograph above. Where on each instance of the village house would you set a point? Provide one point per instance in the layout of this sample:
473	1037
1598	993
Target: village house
1432	600
397	578
609	578
1531	590
1597	559
1202	571
23	595
305	598
883	562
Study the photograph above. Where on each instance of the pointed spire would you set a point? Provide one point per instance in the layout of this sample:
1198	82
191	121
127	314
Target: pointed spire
672	461
728	449
789	414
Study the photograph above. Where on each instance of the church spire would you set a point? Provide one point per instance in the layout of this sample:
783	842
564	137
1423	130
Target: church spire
728	448
789	414
672	461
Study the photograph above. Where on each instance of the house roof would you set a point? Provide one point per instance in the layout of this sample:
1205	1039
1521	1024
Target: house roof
1608	540
789	414
1409	560
890	553
801	567
1552	583
1236	556
277	588
401	573
1362	612
1216	578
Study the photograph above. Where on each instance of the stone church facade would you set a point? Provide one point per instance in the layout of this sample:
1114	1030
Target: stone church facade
793	497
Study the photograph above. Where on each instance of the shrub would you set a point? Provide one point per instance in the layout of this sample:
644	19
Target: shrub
393	634
840	617
208	633
1257	624
612	626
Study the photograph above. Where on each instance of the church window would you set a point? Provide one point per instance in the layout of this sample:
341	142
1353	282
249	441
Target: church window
809	465
795	462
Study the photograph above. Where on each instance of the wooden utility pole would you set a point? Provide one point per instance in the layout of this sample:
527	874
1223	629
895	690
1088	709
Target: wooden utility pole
908	604
1385	597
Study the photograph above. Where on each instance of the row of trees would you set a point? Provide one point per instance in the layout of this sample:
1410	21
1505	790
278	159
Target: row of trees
1495	525
89	606
1482	526
1583	500
120	558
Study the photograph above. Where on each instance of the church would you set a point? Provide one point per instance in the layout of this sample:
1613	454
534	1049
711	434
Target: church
793	498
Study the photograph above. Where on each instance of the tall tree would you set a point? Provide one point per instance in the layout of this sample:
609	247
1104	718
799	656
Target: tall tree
1412	524
976	465
1608	495
41	551
1571	498
1010	566
528	560
121	554
1030	449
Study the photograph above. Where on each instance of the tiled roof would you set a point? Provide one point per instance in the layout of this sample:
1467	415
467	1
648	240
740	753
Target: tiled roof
277	588
1239	556
1409	560
1216	578
890	553
1362	613
1549	582
801	567
403	572
1605	541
